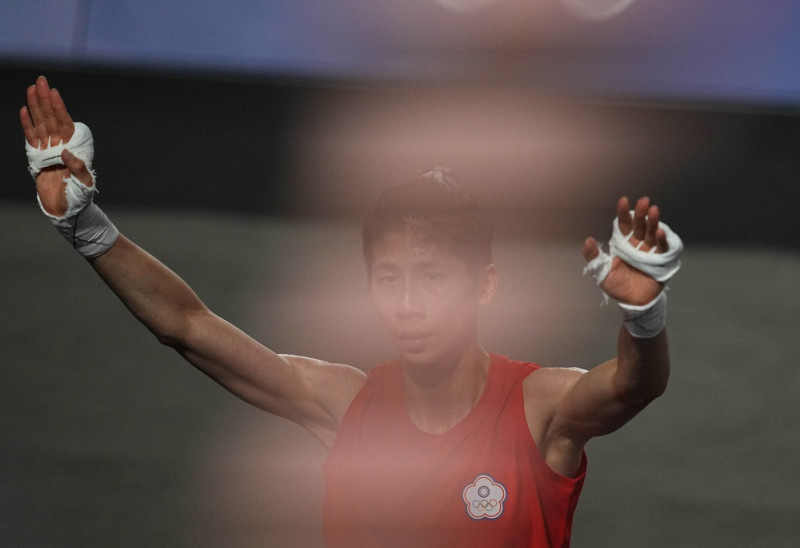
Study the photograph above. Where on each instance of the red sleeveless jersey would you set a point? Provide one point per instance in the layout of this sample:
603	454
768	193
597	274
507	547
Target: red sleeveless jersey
483	483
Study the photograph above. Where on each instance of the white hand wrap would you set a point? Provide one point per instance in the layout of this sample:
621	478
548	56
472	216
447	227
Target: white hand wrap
599	267
83	225
648	320
660	266
81	144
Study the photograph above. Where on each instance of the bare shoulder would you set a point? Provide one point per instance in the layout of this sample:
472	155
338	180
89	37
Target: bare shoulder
348	372
543	391
337	380
328	390
551	382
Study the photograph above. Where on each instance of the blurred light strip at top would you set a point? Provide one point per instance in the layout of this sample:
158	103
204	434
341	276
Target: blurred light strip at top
463	6
592	10
597	10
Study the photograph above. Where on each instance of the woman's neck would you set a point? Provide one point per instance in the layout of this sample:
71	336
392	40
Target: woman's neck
439	397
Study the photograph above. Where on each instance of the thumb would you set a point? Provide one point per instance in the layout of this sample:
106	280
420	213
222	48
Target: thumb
590	249
77	167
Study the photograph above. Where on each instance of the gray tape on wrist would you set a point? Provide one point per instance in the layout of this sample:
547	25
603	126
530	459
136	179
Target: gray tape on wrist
646	321
89	231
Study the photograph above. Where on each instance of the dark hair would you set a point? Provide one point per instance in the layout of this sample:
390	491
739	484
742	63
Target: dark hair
435	209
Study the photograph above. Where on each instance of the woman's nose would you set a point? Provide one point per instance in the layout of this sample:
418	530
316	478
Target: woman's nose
410	303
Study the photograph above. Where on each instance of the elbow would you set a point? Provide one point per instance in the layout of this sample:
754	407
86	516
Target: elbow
640	394
179	331
171	340
654	392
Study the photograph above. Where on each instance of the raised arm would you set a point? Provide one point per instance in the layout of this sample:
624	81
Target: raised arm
312	393
584	405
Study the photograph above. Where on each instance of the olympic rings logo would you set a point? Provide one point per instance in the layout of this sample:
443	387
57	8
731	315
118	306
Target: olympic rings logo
484	504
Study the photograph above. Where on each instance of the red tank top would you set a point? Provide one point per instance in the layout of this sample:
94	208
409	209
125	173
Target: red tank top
483	483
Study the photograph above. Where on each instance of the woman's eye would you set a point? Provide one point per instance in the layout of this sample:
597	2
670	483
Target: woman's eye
433	276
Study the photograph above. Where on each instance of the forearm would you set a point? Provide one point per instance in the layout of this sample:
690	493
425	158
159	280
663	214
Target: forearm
155	295
643	367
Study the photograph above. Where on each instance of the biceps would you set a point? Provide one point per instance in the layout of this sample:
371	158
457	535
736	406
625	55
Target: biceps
312	393
238	362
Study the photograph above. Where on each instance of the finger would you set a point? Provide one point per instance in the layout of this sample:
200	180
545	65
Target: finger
48	115
662	245
66	127
590	249
77	167
27	127
624	215
639	218
36	117
653	218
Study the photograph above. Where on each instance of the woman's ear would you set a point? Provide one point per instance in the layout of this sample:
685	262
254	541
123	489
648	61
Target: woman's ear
487	284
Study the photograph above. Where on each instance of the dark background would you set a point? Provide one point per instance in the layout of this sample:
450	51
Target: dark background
241	146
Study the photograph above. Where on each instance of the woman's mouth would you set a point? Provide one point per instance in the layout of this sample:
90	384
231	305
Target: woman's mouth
414	342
